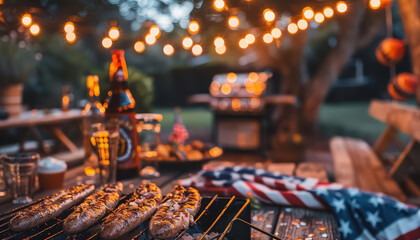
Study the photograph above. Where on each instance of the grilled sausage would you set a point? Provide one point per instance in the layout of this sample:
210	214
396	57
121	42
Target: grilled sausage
93	208
175	214
132	213
50	207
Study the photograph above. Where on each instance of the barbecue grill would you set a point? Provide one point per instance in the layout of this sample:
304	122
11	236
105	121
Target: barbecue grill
218	216
240	102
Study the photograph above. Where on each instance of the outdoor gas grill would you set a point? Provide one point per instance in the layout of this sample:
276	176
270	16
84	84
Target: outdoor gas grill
240	103
218	217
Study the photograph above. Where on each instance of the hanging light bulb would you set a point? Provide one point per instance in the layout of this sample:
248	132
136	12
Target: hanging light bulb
268	38
269	15
302	24
308	13
219	41
292	28
26	20
70	37
69	27
375	4
139	46
35	29
233	22
106	42
114	33
220	49
243	43
187	43
250	38
219	5
319	17
193	27
150	39
341	7
328	12
168	50
276	32
197	50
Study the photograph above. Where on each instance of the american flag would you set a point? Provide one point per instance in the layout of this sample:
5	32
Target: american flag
361	215
179	133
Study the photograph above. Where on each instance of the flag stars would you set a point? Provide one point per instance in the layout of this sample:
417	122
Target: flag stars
400	206
354	204
373	218
338	205
345	228
321	190
376	201
353	191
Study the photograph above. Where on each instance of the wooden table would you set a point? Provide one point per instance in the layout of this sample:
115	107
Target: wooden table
285	222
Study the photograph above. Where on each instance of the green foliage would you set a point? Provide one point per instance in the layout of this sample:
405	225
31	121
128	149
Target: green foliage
17	63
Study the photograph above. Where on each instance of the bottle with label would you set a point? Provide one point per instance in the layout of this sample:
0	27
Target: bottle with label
119	109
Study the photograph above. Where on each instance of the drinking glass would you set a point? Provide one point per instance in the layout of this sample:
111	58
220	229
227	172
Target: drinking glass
20	170
148	134
104	139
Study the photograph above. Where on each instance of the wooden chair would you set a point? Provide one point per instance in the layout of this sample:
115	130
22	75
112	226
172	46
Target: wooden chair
356	164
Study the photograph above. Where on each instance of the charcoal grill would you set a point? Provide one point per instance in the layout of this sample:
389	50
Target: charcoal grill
227	216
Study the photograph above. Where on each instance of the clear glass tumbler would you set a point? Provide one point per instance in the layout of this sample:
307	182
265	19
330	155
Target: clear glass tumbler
20	170
148	134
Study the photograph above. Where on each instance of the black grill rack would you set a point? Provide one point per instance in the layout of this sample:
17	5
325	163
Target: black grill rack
229	217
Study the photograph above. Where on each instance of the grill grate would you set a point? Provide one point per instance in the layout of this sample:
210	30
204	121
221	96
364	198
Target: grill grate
228	216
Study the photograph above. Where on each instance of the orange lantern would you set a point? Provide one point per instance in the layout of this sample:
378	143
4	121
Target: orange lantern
390	51
403	86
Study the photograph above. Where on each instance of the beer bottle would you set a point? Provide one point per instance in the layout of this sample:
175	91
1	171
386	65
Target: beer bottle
119	108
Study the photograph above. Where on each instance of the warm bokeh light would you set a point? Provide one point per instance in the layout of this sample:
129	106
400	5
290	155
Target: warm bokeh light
219	42
328	12
319	17
150	39
70	37
155	31
168	50
268	38
26	20
114	33
193	27
69	27
308	13
276	33
253	76
106	42
292	28
220	49
302	24
269	15
139	46
35	29
341	7
219	5
375	4
197	50
231	77
233	22
226	88
250	38
236	104
243	43
187	43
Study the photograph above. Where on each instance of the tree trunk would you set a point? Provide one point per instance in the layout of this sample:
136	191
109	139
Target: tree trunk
317	87
410	14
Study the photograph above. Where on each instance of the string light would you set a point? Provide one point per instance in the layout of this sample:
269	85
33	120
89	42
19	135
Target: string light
168	50
155	31
233	22
375	4
319	17
139	46
193	27
250	38
69	27
150	39
106	42
187	43
197	50
308	13
219	5
276	32
328	12
292	28
220	49
26	20
35	29
269	15
243	43
114	33
341	7
70	37
268	38
302	24
219	42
